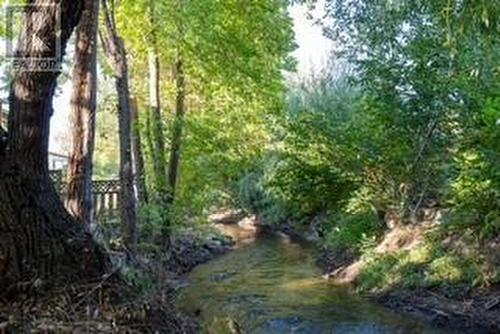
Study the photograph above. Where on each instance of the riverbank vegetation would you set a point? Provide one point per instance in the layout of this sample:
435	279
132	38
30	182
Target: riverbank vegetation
387	157
407	134
396	141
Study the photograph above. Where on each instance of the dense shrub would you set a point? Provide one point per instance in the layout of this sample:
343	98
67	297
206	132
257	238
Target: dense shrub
352	230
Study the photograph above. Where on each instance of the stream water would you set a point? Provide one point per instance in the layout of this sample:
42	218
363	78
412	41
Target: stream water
270	284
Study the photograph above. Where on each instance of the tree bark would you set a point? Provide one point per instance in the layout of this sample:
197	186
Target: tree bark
180	111
3	141
39	241
83	104
138	157
115	49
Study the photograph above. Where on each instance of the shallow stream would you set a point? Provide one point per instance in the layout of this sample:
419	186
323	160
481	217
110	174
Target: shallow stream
270	284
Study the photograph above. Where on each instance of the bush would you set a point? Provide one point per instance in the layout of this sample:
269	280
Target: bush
428	266
255	196
352	230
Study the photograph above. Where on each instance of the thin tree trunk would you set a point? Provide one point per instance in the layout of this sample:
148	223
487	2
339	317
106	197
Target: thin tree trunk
115	49
180	111
39	241
83	103
156	127
142	194
148	136
158	152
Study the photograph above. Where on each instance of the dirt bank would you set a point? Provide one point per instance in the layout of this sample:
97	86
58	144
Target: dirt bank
479	313
473	310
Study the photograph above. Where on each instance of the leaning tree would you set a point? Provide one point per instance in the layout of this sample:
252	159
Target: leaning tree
39	240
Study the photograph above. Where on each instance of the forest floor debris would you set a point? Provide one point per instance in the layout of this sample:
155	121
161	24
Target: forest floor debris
137	297
105	306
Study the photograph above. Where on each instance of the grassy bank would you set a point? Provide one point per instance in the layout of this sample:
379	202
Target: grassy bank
428	269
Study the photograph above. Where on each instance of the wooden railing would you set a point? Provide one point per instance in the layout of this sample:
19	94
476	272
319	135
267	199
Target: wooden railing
105	195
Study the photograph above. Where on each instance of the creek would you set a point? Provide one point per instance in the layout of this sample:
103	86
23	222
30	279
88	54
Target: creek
271	284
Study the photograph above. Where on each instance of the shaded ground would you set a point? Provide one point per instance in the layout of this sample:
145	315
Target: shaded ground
106	306
479	313
137	297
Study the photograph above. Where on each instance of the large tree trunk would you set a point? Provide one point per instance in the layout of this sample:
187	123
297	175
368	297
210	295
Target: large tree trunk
180	111
83	104
39	240
115	49
142	193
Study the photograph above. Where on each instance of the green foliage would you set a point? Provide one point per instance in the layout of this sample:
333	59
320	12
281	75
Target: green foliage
310	169
408	114
232	62
354	230
251	193
428	266
255	193
423	97
475	192
106	152
152	224
138	279
227	137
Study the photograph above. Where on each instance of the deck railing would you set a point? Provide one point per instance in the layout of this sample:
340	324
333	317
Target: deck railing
105	195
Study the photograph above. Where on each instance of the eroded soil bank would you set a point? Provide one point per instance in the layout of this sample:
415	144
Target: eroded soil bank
477	312
473	310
